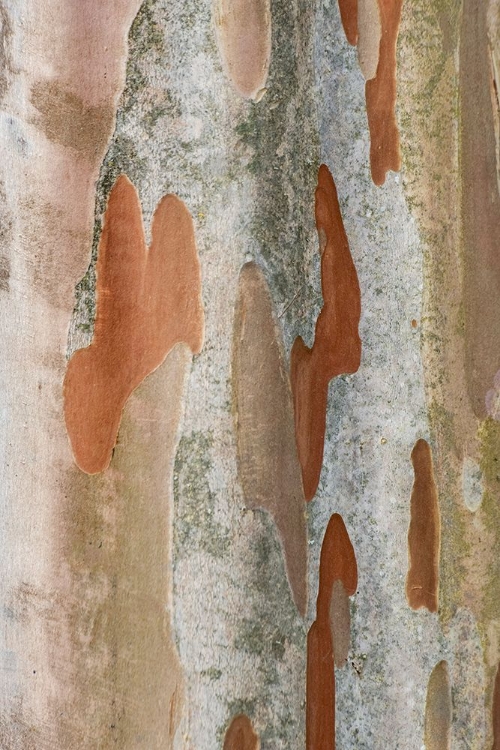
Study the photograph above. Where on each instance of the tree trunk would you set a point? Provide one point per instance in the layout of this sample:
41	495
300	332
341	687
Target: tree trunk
250	432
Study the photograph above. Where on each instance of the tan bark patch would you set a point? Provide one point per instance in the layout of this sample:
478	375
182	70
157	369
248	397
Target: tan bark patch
147	301
123	680
370	32
268	465
244	38
422	582
480	207
337	346
438	709
66	119
340	623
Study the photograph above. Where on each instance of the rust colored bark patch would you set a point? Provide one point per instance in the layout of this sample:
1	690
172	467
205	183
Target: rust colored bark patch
340	623
268	464
320	688
349	15
148	300
381	97
480	207
337	563
496	712
337	346
240	735
438	709
337	566
244	39
422	582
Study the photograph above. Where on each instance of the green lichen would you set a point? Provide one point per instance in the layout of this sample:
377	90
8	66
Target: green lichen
195	527
212	673
284	163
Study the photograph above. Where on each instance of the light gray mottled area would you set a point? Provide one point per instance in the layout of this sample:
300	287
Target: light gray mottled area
374	419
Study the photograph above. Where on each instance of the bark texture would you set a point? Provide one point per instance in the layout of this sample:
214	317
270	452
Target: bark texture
165	596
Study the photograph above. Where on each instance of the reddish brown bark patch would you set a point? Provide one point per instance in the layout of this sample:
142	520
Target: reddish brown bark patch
320	688
380	95
349	15
148	300
422	582
438	709
268	465
240	735
337	346
244	39
496	712
337	565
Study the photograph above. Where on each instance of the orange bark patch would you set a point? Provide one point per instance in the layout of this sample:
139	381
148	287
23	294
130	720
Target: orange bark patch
349	15
380	95
240	735
268	465
337	346
148	300
496	712
244	38
337	565
422	582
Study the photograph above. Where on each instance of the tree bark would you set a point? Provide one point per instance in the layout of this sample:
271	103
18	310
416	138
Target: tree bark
167	600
